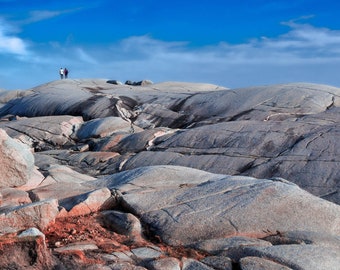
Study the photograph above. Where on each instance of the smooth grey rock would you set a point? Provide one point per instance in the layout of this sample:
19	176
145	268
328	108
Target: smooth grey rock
305	238
122	223
294	151
279	134
146	253
255	263
6	96
103	127
78	246
164	263
262	103
229	247
17	162
96	267
174	203
124	256
218	262
61	182
140	141
71	97
44	133
185	87
64	174
87	203
159	115
89	163
286	130
39	215
107	143
299	256
13	197
31	232
191	264
125	266
46	159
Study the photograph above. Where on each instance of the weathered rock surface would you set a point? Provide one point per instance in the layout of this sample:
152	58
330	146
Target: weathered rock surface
181	196
17	162
256	263
169	176
300	257
38	214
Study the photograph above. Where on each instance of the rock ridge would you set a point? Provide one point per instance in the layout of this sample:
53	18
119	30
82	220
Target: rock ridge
174	175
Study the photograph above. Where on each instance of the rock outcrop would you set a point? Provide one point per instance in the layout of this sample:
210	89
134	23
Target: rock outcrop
100	175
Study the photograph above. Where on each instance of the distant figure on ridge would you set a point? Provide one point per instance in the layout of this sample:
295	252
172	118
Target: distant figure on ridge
65	72
61	73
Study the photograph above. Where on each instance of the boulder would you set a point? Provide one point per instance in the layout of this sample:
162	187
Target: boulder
86	203
17	162
191	264
218	262
114	82
164	263
139	83
13	197
61	182
38	214
123	223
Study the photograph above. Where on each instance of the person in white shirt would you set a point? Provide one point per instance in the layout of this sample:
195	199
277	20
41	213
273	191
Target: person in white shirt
61	73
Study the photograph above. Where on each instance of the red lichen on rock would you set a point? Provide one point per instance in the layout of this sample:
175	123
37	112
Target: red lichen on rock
84	228
89	228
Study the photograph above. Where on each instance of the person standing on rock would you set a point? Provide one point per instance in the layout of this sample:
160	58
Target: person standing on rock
65	72
61	73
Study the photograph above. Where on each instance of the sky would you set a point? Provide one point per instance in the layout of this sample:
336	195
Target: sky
231	43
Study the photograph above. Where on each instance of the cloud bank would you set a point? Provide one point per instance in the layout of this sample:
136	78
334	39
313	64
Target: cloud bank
303	53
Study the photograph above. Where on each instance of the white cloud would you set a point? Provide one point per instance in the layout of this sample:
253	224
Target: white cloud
84	56
40	15
10	44
303	53
300	43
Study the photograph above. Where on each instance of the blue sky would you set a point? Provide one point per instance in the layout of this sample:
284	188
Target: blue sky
235	44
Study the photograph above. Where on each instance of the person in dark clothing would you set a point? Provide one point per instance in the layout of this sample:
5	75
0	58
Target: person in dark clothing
65	72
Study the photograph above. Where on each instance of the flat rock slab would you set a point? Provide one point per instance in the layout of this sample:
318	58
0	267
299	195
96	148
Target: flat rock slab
229	246
294	151
184	206
256	263
303	257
